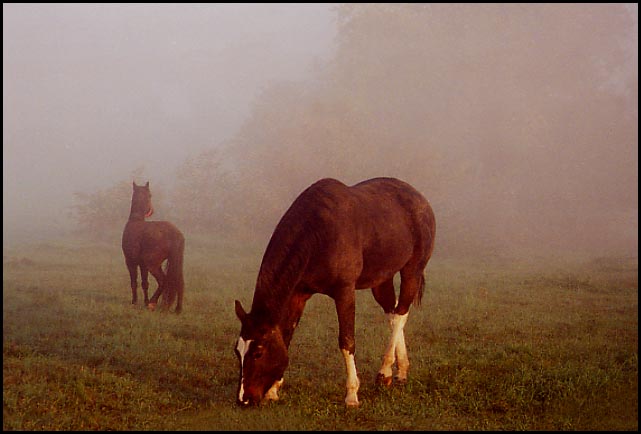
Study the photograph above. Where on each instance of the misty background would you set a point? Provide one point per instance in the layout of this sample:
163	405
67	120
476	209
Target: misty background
518	122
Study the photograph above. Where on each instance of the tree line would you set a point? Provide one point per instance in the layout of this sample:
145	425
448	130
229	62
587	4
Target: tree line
511	119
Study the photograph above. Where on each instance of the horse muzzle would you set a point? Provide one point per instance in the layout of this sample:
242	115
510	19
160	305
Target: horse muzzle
248	402
248	399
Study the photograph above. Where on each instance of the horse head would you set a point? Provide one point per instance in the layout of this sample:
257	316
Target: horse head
141	200
263	358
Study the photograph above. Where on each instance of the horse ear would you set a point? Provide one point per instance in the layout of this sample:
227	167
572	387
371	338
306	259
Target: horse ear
147	185
134	183
240	312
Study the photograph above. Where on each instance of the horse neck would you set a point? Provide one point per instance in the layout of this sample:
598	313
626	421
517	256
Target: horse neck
272	298
279	275
137	212
136	216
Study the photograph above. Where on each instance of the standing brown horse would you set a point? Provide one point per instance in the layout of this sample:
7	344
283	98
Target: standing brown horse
333	240
147	245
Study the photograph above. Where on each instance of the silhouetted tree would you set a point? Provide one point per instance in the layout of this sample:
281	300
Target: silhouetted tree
494	117
102	215
201	197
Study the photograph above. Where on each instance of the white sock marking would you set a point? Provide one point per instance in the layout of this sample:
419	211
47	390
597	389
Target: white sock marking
397	341
351	398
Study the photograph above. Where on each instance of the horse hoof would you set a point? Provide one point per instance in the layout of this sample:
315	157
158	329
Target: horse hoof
151	306
383	380
352	404
400	381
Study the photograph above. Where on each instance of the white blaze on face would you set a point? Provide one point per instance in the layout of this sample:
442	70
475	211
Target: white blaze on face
242	347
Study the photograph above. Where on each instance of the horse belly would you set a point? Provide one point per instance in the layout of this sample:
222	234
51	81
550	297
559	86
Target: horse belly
383	258
380	268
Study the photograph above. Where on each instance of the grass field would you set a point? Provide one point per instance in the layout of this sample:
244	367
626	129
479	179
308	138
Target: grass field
496	345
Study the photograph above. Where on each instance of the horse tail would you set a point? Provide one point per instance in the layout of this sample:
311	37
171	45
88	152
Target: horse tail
175	281
430	223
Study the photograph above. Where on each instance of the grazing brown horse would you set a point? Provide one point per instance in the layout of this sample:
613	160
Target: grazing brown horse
147	245
332	240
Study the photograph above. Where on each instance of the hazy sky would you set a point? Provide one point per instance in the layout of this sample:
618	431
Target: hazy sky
529	109
93	91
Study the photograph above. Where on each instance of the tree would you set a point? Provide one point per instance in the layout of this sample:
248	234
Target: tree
102	215
504	116
200	199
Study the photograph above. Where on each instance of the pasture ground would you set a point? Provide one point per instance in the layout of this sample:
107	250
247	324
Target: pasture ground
496	345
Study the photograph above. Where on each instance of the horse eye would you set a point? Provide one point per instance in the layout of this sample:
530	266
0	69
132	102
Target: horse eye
258	353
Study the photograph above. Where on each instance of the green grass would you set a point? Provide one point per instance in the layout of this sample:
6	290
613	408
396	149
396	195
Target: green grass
495	346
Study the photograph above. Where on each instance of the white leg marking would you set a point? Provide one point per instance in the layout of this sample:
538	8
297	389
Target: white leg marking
351	398
272	393
242	347
401	358
397	339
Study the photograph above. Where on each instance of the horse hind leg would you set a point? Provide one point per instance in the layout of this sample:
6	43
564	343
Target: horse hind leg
411	283
170	289
402	360
169	296
179	302
395	352
161	278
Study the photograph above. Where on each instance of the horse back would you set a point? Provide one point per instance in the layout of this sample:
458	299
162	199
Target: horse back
364	233
374	214
150	240
393	213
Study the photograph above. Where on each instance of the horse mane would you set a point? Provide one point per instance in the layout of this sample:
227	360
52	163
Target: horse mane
286	255
295	238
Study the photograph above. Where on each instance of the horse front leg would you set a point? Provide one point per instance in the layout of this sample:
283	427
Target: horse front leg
345	308
144	277
272	393
133	277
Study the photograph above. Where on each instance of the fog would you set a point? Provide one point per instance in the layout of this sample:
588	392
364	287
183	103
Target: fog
518	122
92	92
